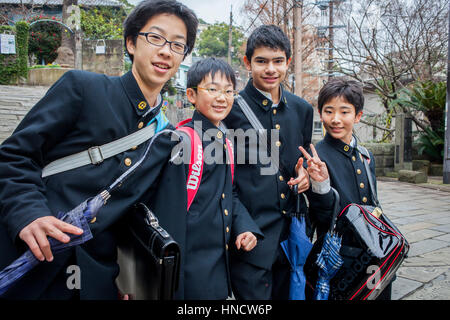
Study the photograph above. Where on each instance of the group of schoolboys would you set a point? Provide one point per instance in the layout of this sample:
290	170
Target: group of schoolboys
230	231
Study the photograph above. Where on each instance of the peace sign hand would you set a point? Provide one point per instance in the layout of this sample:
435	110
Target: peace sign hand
317	169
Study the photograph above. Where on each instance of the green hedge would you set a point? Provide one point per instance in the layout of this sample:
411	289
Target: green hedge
15	66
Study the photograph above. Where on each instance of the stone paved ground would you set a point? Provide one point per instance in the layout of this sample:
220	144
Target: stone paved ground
15	102
423	216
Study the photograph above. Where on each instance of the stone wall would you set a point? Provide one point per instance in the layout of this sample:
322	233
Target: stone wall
110	63
384	157
175	115
45	76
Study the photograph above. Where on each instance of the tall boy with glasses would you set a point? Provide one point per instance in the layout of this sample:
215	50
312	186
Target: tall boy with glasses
82	110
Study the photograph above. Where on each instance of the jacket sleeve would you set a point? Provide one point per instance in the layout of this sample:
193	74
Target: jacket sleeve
307	129
307	133
242	221
321	208
22	156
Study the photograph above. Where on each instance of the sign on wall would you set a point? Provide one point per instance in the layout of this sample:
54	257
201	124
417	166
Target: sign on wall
7	44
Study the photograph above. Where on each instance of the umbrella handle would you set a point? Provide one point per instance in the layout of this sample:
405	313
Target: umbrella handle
336	208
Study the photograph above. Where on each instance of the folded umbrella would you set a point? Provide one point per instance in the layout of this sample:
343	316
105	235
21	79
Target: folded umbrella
297	248
80	217
329	260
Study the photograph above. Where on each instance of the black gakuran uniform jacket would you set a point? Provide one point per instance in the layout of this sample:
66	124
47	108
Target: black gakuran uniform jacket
80	110
214	220
268	197
347	175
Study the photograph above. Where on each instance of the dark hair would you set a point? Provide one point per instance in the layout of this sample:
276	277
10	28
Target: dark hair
350	90
199	70
268	36
146	9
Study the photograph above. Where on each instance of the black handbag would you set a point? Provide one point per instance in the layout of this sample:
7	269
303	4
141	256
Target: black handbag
373	249
149	258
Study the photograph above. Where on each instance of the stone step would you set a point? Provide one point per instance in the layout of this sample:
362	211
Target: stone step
412	176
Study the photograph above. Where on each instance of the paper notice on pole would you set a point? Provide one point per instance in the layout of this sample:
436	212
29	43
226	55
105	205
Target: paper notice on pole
7	44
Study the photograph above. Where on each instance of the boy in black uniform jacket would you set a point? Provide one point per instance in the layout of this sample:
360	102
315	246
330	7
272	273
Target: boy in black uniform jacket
82	110
263	188
215	220
337	162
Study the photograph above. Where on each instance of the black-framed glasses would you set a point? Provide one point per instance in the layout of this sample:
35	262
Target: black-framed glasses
160	41
229	93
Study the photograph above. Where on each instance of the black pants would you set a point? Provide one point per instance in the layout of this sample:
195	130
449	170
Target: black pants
250	282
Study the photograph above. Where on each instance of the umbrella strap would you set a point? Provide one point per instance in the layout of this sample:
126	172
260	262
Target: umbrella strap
119	181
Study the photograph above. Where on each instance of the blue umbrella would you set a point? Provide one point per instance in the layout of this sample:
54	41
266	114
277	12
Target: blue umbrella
329	260
297	247
79	217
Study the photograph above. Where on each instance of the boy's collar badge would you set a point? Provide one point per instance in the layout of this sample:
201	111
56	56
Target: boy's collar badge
265	102
346	148
142	105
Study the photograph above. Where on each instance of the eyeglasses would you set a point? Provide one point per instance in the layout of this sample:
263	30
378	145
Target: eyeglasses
229	93
160	41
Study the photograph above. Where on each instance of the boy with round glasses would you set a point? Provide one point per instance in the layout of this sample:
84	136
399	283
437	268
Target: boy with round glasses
82	110
210	221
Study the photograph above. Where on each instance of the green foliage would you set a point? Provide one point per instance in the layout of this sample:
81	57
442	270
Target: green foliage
48	66
432	144
102	23
45	39
168	87
14	66
429	98
213	42
22	31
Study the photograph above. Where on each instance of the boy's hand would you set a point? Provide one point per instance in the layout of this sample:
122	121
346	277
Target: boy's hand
317	169
302	180
246	240
35	235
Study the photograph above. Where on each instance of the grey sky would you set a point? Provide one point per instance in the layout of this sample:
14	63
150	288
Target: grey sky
214	10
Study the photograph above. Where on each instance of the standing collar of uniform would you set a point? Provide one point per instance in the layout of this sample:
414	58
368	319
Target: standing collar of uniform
341	146
137	99
260	99
207	126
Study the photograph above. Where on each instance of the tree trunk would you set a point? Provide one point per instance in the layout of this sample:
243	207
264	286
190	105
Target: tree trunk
67	38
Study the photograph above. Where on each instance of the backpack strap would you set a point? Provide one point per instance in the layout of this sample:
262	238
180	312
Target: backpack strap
195	164
196	161
231	157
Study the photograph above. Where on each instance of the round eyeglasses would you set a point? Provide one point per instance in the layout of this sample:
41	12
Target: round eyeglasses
229	93
160	41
